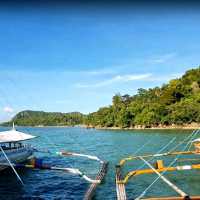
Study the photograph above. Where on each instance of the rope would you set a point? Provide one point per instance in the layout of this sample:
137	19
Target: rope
155	180
174	187
163	148
179	144
11	166
193	139
138	150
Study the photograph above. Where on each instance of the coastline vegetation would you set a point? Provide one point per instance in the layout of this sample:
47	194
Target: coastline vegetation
176	103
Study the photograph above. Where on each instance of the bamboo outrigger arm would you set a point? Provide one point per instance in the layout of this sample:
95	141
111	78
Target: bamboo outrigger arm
160	168
66	153
164	179
173	198
38	164
123	161
94	182
55	168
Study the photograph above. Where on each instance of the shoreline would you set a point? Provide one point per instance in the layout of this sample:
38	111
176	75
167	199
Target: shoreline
152	128
171	127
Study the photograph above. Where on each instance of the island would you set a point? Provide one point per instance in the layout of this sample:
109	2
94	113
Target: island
175	104
41	118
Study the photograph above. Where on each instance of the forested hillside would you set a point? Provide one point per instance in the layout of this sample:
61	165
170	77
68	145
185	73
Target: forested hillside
40	118
177	102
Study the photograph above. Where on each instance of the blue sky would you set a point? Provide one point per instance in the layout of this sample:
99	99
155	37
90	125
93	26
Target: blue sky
75	58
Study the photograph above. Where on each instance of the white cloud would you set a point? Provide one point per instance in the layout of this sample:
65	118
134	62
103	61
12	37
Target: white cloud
165	78
101	71
8	109
131	77
115	79
163	58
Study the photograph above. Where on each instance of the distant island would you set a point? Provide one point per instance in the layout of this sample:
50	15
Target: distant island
40	118
175	104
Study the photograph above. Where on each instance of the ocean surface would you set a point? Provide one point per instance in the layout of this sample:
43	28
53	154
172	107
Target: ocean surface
109	145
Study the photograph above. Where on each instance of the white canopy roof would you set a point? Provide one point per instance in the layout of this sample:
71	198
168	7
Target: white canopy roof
14	136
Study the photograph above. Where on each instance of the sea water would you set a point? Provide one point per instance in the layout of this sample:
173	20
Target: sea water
109	145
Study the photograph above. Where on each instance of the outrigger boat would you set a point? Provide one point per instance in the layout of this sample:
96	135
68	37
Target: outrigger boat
15	154
158	167
12	148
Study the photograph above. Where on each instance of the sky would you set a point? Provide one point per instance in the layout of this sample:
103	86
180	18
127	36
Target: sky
75	57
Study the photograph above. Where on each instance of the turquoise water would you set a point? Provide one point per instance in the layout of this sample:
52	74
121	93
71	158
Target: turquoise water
106	144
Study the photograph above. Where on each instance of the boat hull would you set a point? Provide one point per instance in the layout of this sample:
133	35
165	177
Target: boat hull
19	155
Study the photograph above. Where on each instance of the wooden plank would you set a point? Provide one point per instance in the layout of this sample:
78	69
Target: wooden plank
120	187
100	176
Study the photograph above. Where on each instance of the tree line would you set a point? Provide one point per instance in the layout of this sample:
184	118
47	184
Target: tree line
177	102
40	118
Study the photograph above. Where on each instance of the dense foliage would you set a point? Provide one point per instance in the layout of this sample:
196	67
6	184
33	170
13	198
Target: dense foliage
40	118
177	102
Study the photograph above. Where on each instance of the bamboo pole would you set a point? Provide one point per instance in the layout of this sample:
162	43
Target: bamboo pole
100	176
10	164
173	198
174	187
120	187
